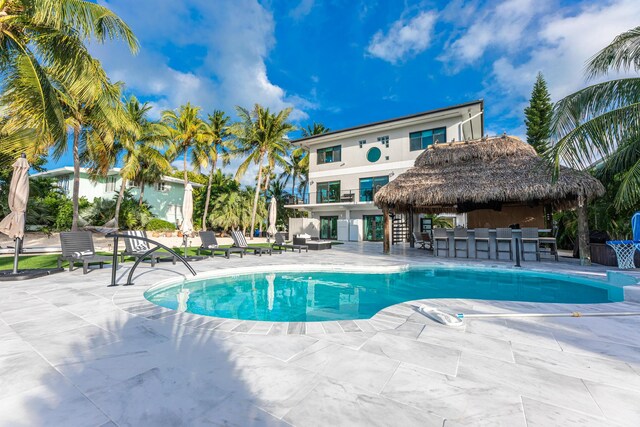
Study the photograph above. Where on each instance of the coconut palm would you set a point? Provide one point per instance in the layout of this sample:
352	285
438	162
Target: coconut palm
208	152
314	129
185	129
601	123
258	135
41	51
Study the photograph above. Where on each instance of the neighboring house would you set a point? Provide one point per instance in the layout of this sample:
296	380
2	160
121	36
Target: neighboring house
348	166
164	198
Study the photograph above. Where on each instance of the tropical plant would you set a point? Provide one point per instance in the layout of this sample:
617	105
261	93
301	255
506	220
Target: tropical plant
538	116
314	129
601	123
208	152
259	135
185	129
42	52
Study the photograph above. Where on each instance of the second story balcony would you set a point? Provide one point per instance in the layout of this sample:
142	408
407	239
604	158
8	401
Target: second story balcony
338	197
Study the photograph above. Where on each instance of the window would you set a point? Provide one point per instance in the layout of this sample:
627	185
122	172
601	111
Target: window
161	186
63	183
131	184
362	142
328	192
421	140
374	154
110	184
330	154
384	140
369	187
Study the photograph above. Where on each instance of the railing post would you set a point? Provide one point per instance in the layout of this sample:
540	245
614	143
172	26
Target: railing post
517	252
114	262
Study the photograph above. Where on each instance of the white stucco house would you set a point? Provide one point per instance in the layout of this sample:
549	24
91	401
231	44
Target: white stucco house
164	198
348	166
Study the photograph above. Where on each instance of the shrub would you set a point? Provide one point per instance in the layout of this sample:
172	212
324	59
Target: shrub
160	225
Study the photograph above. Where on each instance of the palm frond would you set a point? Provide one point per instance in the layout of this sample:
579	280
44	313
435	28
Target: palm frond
622	54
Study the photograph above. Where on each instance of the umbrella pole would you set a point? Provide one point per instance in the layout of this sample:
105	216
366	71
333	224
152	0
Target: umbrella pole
16	254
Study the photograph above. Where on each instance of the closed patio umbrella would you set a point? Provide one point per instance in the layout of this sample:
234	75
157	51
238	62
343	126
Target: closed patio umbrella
187	214
273	215
13	224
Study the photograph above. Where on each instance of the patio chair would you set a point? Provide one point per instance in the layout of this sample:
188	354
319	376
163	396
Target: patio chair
240	242
210	243
504	237
135	247
549	245
482	242
280	244
530	237
460	236
440	236
77	247
419	240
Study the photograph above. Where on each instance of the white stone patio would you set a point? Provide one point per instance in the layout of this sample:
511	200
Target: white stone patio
76	352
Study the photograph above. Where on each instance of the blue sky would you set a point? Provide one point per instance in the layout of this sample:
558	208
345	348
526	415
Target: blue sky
348	62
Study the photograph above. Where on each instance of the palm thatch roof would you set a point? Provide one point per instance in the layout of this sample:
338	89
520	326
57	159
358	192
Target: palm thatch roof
486	173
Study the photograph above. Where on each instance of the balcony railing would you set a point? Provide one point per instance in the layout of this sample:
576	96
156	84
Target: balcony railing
343	196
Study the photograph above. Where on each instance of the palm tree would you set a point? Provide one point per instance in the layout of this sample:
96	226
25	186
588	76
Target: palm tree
258	135
207	153
601	123
41	51
314	129
185	129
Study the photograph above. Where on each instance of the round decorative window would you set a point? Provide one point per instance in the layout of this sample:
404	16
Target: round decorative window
373	155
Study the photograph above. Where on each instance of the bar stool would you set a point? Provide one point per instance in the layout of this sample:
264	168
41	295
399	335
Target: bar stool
460	235
482	239
530	236
504	237
550	244
440	235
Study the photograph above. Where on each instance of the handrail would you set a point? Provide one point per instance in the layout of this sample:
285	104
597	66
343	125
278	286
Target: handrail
114	264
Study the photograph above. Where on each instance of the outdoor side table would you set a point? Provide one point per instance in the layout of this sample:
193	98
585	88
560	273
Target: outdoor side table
625	251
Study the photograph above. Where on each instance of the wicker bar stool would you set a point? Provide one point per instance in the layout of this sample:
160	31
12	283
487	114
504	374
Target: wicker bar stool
504	236
482	241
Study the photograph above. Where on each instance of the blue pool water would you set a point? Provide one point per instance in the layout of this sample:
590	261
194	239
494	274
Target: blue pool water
320	296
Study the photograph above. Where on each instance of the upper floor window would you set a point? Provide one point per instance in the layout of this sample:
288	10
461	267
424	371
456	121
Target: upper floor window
63	183
362	142
328	192
110	184
161	186
369	187
421	140
384	140
329	154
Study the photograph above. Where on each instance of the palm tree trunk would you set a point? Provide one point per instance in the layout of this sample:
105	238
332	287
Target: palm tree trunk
256	197
119	203
266	188
76	179
141	194
208	198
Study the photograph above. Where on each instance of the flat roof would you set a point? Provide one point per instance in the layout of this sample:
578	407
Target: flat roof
65	170
396	119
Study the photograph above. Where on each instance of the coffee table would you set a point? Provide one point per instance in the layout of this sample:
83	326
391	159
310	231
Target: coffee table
315	245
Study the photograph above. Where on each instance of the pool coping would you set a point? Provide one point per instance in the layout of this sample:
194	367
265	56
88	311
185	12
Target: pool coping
133	301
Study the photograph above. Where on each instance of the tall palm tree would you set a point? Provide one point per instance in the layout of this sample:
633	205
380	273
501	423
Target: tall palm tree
601	123
258	135
208	152
314	129
185	129
42	43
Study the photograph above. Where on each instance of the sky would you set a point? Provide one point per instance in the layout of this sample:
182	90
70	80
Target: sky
349	62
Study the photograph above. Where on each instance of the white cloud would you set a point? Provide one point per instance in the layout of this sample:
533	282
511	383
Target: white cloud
405	38
302	9
564	44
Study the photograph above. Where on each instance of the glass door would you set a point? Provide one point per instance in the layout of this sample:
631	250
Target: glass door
373	228
329	227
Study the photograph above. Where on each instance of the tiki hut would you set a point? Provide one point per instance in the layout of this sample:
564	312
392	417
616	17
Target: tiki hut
487	176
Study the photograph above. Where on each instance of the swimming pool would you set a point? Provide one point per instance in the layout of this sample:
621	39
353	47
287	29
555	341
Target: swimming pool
323	295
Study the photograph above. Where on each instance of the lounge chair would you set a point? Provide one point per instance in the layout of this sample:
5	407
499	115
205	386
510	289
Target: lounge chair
210	243
135	247
77	247
280	244
240	242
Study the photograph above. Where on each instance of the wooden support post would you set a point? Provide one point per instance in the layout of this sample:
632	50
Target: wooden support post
386	242
583	232
411	240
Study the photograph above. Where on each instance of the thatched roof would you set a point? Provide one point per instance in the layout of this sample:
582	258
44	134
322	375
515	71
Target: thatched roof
484	174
